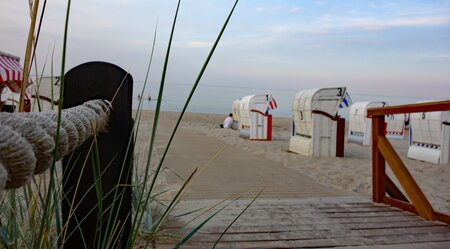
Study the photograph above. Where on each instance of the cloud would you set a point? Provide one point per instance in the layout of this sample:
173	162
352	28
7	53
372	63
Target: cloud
282	28
197	44
277	9
373	6
294	9
443	56
320	2
325	23
380	24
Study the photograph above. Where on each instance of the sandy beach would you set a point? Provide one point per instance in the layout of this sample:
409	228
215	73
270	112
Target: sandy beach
351	174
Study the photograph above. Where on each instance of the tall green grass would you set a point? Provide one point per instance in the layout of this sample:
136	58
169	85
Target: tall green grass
31	216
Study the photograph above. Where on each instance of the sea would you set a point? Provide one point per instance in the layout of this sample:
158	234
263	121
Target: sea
219	99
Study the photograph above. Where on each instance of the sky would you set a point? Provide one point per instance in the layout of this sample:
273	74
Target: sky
397	48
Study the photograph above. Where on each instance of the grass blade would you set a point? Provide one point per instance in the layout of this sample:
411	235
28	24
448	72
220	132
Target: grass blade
193	232
194	87
237	217
4	238
138	220
45	220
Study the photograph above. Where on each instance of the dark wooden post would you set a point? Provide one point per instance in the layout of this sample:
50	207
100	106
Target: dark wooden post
378	162
88	223
340	136
269	127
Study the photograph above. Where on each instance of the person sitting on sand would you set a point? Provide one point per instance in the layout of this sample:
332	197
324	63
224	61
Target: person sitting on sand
227	122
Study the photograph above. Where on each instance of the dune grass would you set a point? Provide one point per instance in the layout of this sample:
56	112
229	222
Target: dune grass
31	216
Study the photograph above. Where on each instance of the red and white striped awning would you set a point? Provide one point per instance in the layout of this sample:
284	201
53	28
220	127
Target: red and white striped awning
11	73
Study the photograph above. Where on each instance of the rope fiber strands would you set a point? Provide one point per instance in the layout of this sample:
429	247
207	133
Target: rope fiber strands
27	140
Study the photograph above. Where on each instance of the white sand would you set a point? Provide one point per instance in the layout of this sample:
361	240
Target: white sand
353	173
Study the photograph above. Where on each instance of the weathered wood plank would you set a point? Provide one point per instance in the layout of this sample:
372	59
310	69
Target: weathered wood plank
356	210
304	235
332	242
312	218
305	212
417	245
400	204
442	217
369	214
272	213
311	227
269	224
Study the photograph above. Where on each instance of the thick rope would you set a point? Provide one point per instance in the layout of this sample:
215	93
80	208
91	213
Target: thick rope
49	127
43	144
27	140
77	121
17	156
69	127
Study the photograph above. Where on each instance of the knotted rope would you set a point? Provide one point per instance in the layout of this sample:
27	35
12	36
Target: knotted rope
27	140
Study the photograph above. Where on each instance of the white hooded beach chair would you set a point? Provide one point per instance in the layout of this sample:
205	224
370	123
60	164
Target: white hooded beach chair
255	122
317	129
360	126
430	137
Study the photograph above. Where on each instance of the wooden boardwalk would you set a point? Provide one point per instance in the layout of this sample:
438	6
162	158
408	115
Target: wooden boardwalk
293	212
330	222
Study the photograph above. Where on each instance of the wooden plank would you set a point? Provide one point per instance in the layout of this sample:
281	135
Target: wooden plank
378	162
269	225
298	208
369	214
371	204
355	210
304	235
410	208
442	217
312	216
271	212
400	204
417	245
332	242
393	190
408	183
286	211
308	227
399	109
312	220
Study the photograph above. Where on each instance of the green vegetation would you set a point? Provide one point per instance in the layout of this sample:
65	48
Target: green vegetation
31	216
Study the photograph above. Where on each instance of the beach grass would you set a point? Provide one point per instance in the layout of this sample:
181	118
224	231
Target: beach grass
31	216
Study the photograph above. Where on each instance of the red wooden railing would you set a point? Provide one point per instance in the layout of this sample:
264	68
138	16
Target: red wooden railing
415	200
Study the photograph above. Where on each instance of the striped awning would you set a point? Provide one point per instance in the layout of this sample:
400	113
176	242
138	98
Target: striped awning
11	73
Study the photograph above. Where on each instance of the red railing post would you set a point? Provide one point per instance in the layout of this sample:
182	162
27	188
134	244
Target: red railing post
378	162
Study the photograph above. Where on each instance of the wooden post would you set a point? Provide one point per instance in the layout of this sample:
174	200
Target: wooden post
269	127
89	224
340	136
378	162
